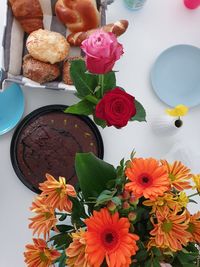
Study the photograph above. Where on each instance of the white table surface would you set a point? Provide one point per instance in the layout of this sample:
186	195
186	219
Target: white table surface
160	24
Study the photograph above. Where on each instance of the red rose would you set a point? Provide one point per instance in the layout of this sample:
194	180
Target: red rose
116	108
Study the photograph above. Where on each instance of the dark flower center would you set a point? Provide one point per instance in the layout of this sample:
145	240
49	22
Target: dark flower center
110	239
145	180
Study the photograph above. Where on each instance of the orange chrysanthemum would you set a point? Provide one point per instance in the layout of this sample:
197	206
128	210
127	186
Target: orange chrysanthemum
57	192
196	180
168	199
108	237
148	178
194	227
170	230
178	174
39	255
45	219
76	256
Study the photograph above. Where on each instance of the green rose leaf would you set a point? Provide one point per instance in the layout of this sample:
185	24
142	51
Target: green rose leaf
84	107
93	174
107	82
100	122
85	83
140	114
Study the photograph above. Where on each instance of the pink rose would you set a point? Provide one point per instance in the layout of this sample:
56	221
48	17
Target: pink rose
102	50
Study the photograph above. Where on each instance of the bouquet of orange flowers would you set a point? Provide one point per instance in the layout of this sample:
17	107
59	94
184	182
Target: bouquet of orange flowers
132	215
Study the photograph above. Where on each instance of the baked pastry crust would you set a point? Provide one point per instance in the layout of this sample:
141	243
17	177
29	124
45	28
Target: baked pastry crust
28	13
47	46
78	15
39	71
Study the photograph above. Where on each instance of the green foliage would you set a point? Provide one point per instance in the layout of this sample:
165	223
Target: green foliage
61	241
140	112
63	228
93	174
104	197
78	213
187	257
62	260
84	82
84	107
63	217
107	82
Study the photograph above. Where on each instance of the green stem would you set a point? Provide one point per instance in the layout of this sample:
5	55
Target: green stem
92	99
195	194
101	83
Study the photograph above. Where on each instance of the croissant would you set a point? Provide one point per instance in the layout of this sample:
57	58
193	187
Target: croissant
118	28
78	15
28	13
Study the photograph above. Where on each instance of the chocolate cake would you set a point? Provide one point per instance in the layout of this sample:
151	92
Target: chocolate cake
48	143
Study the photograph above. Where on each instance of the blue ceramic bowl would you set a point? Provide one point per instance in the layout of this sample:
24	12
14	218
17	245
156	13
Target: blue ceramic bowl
11	107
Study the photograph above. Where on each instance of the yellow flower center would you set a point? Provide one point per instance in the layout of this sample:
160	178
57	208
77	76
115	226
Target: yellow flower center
191	228
167	226
160	202
172	177
47	215
61	191
58	190
43	257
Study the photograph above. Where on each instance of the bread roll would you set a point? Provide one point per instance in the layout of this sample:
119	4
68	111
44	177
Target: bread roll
39	71
78	15
28	13
118	28
47	46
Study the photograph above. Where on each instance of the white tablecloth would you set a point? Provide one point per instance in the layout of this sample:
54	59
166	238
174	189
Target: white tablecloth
160	24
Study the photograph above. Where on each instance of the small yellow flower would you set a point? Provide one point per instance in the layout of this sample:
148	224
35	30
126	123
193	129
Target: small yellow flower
178	111
196	179
183	199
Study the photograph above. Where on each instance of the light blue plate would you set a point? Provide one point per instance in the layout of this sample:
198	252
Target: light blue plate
175	76
11	107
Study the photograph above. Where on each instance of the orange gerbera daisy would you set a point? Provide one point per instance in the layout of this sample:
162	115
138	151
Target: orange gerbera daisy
76	256
170	230
45	219
148	178
178	174
108	237
39	255
57	193
194	227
